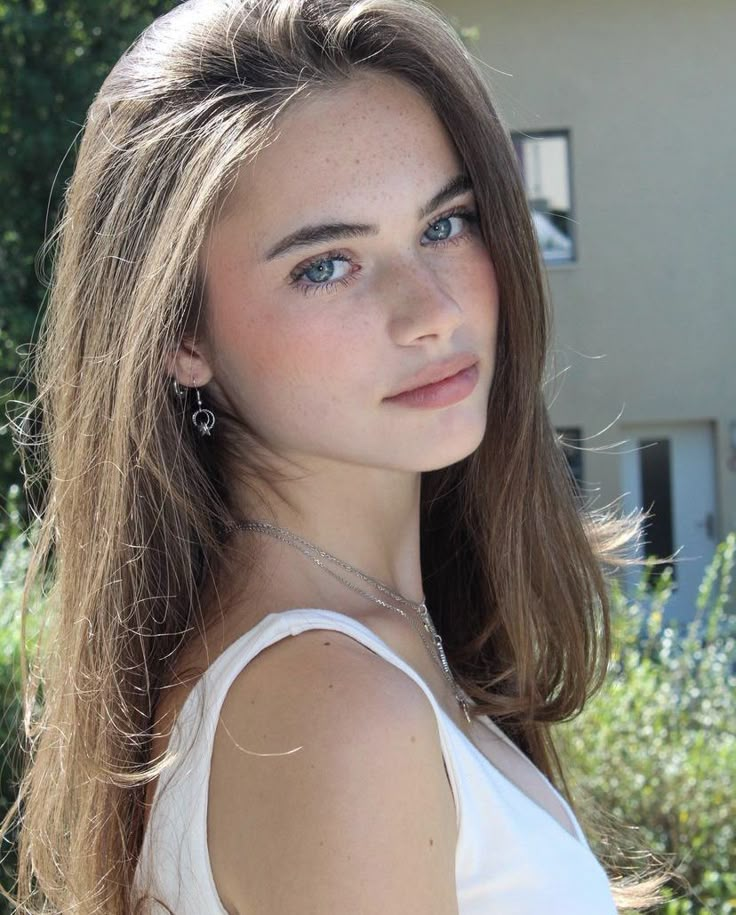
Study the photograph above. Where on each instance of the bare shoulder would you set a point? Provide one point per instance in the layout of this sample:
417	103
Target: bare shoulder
328	791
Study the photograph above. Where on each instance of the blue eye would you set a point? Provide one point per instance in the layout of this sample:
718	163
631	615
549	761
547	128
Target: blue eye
321	272
467	215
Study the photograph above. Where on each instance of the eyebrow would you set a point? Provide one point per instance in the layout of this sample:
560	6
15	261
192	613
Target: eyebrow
316	234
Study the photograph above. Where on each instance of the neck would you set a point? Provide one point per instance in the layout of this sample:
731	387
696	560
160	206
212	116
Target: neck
370	523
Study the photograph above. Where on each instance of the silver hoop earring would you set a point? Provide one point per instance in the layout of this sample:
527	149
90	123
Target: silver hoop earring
202	418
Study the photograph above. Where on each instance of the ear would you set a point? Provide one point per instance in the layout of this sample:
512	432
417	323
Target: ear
190	365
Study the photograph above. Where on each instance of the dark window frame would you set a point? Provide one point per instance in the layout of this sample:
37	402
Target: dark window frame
517	138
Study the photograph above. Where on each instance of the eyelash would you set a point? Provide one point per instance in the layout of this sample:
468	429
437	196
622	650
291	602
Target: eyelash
469	215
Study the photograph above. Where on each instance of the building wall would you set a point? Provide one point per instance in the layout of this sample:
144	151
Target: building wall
644	320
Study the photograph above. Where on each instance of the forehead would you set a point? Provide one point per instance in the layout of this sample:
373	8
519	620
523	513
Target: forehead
372	140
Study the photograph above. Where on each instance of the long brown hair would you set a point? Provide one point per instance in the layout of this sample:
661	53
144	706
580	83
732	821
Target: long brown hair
133	504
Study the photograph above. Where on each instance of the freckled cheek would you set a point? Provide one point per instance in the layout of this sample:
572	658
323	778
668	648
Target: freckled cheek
491	293
476	286
283	358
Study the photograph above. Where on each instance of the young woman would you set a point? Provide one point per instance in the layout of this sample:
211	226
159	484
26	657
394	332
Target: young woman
290	384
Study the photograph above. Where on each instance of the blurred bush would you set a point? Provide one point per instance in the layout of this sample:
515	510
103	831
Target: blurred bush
13	564
53	59
653	754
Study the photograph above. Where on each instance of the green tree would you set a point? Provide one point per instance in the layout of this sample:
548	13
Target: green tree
53	57
654	752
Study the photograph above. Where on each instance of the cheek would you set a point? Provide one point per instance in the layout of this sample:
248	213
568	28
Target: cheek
283	359
491	293
478	285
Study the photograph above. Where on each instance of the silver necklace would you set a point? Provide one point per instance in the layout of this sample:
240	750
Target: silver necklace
279	533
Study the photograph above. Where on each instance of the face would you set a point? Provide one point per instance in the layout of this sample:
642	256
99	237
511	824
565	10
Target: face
309	339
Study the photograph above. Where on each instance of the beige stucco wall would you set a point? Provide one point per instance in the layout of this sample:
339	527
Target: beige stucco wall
645	318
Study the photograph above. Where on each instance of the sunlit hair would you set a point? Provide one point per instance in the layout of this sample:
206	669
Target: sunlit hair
133	502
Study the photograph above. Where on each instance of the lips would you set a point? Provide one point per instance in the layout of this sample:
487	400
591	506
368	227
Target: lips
438	371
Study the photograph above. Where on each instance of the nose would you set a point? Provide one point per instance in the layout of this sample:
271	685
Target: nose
420	304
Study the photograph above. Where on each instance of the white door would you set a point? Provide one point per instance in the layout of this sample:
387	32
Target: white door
670	470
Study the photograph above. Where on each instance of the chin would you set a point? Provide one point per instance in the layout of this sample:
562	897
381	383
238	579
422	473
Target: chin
454	447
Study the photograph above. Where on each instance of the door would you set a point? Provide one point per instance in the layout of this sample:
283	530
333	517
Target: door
670	470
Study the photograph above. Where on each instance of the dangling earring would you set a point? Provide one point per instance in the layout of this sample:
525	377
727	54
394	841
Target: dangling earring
202	418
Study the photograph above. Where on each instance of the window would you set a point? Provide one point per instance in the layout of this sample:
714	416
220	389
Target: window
570	437
656	489
544	158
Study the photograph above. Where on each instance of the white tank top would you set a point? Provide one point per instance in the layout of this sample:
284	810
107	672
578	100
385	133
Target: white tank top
512	855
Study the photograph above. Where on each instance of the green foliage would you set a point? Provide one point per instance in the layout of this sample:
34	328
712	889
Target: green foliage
53	58
656	747
11	522
469	34
13	565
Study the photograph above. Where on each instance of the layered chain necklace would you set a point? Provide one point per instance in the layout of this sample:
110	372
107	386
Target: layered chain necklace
434	646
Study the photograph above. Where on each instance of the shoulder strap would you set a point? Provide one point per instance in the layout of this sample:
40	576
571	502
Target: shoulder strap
219	676
299	620
199	716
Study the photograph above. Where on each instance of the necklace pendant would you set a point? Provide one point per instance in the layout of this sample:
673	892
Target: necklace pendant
464	706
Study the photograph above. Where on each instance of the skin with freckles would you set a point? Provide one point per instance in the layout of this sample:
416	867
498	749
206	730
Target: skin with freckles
308	344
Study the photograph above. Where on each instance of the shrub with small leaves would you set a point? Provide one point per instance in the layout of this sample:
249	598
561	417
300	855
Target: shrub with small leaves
655	749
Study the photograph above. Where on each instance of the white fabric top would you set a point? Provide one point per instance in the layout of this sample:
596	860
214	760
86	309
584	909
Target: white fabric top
513	857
